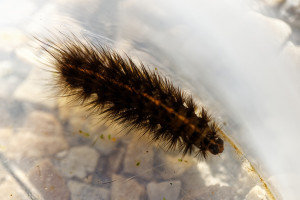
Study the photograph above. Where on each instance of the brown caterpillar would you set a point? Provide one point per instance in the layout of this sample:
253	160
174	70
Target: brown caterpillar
114	86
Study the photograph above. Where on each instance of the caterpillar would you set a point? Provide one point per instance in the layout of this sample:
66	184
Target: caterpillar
130	94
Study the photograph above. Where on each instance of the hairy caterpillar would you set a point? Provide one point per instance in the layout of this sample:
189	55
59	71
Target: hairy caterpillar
114	86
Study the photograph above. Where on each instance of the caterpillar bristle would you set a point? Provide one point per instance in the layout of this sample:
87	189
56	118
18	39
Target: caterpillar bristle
116	88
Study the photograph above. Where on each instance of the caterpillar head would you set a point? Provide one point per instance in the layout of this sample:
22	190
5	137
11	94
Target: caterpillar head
211	142
215	145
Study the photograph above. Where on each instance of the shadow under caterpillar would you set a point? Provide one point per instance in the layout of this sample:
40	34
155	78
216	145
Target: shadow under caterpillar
130	94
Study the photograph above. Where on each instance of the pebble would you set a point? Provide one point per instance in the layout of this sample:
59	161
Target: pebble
192	180
41	136
212	192
34	146
115	160
79	162
48	181
124	189
106	142
82	191
139	160
168	190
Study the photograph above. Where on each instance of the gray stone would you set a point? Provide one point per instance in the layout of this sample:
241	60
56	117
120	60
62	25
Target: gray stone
48	181
168	190
115	160
79	162
41	136
212	192
139	160
30	145
192	179
80	191
105	141
125	189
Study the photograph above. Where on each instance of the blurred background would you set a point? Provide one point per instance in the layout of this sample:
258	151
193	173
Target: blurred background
239	59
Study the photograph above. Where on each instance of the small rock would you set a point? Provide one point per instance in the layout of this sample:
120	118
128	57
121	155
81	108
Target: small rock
168	190
213	192
115	160
124	189
80	191
105	142
256	193
41	136
79	162
139	160
30	145
48	181
192	179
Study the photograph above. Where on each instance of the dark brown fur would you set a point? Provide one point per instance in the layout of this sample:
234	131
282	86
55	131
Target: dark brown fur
132	95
